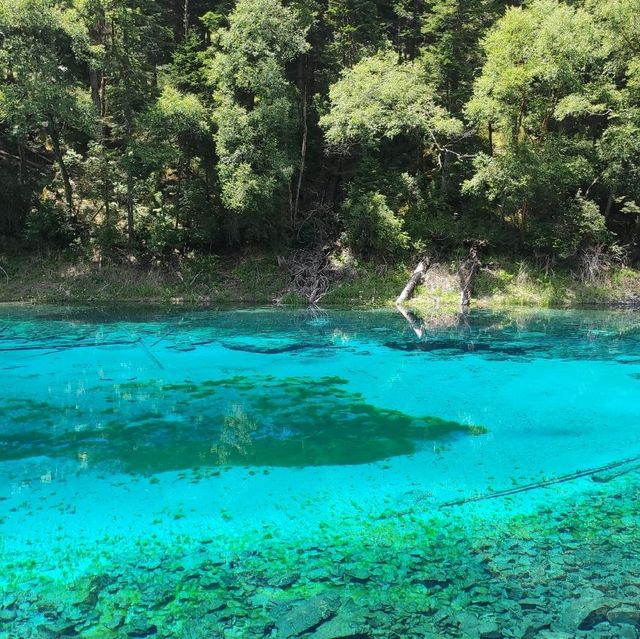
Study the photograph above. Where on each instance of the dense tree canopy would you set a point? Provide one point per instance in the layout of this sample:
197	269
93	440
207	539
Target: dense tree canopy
162	127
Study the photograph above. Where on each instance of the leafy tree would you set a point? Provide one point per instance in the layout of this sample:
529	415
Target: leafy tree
619	145
173	150
381	98
539	89
451	31
385	108
42	94
256	106
127	41
158	124
371	227
357	29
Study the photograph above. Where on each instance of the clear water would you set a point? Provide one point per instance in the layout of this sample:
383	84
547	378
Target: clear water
278	473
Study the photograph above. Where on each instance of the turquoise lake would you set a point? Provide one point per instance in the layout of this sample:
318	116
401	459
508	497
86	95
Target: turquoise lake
287	473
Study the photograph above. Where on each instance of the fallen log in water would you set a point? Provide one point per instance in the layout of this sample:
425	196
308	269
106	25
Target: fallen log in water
608	475
630	463
414	280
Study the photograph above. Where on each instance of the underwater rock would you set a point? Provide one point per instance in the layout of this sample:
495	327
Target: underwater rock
433	581
307	615
141	627
342	626
623	632
467	623
489	629
284	581
584	613
85	591
64	628
624	615
214	603
532	604
209	582
112	619
7	616
359	574
157	594
267	350
318	574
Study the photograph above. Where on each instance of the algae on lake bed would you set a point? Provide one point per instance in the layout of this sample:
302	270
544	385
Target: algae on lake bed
566	569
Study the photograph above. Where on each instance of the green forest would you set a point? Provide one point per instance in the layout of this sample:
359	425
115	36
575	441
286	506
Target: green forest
391	129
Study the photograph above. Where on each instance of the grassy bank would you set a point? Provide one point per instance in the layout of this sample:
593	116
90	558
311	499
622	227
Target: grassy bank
257	279
252	279
520	284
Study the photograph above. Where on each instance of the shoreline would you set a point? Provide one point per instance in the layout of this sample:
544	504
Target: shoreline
209	281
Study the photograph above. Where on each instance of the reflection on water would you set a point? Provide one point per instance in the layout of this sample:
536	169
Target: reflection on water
277	473
257	420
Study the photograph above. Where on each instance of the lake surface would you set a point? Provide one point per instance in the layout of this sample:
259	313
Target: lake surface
283	473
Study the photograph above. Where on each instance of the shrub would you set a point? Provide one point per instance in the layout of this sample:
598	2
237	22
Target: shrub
371	228
49	225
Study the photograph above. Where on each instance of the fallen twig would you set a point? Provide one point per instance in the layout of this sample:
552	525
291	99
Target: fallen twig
544	483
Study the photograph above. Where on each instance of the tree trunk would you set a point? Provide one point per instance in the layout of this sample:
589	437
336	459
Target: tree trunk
490	139
20	163
130	227
96	84
607	210
444	174
414	280
66	181
413	321
303	155
468	274
98	34
130	182
178	197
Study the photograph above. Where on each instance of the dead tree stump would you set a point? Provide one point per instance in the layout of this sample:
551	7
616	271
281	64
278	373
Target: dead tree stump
468	272
414	280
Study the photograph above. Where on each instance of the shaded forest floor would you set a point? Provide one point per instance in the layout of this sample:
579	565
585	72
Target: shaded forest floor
258	279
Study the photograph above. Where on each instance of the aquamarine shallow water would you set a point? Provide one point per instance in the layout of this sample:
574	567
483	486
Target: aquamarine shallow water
292	447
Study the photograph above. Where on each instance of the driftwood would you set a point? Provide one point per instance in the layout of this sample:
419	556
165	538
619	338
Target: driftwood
624	466
609	474
468	272
414	280
310	272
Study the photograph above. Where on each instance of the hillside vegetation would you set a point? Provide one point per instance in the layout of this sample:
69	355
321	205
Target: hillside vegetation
164	133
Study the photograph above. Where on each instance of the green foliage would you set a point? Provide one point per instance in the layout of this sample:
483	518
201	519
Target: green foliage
382	98
371	228
49	226
141	127
580	224
43	85
357	30
255	104
536	70
547	93
452	30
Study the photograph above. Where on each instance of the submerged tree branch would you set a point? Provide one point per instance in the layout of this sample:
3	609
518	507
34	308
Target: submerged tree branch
590	472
